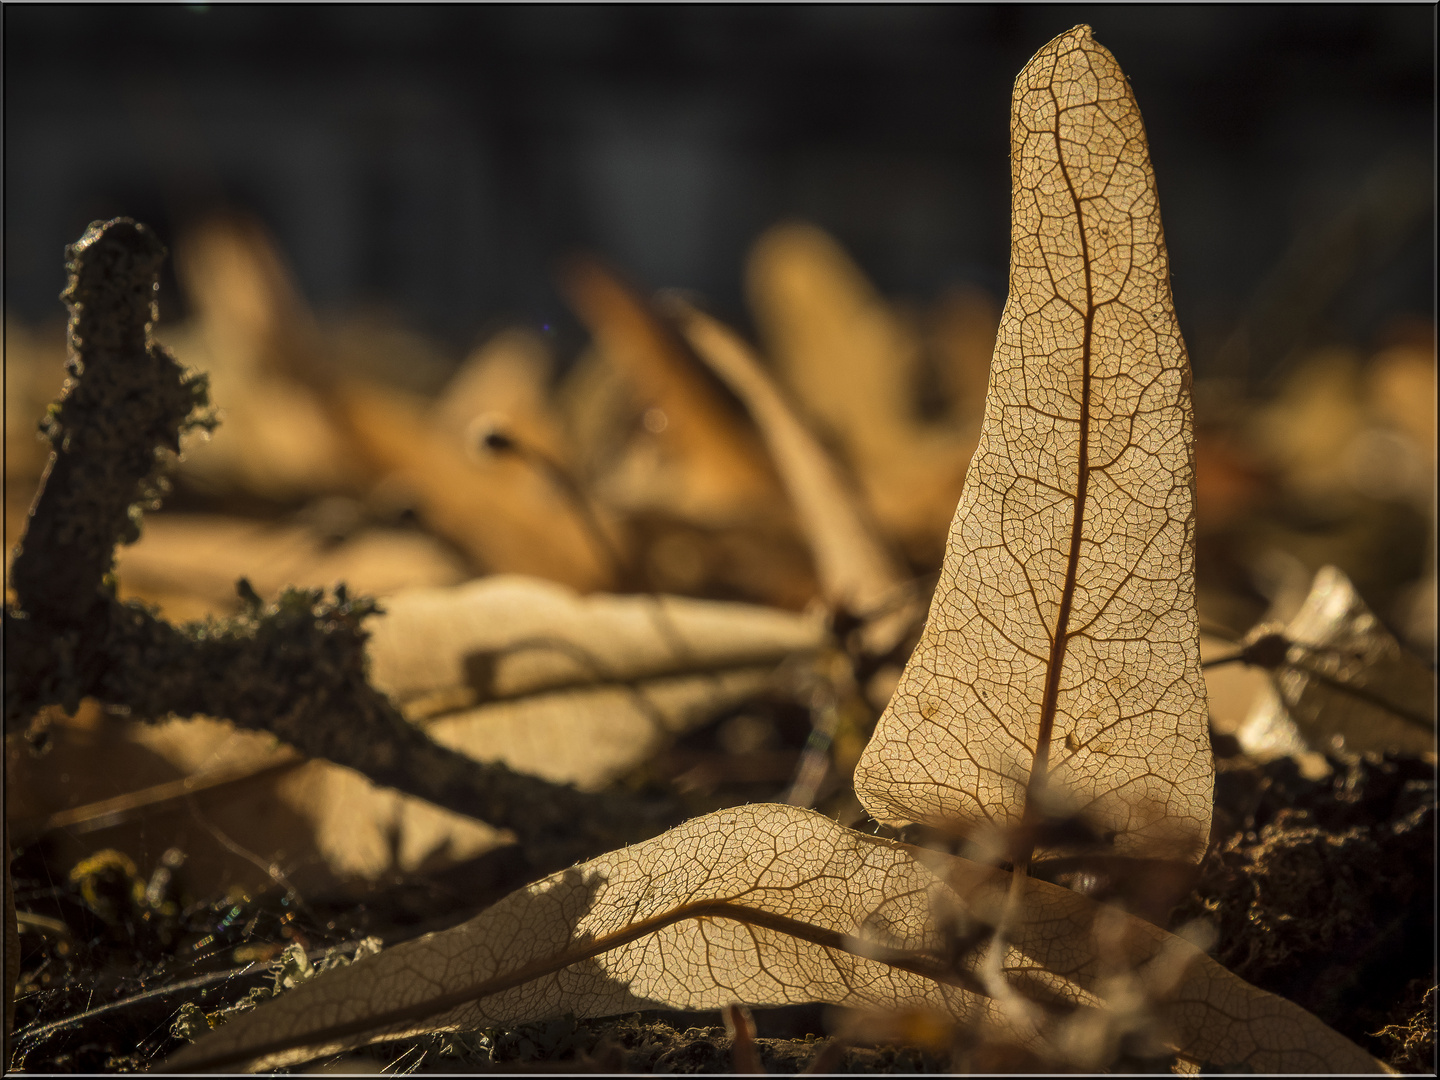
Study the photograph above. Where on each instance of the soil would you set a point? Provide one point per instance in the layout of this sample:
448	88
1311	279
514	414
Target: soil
1319	890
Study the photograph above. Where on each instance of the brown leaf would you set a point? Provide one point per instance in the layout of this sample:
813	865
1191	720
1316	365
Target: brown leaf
256	339
773	905
857	573
505	386
189	563
508	513
590	688
712	470
853	365
502	637
1061	655
1342	682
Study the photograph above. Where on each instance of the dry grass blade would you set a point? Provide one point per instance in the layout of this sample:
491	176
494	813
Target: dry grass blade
857	573
1060	661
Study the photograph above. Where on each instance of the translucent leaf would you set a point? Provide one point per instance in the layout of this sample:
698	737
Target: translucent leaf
1061	655
772	905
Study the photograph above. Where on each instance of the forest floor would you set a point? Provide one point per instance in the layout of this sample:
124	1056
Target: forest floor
1321	891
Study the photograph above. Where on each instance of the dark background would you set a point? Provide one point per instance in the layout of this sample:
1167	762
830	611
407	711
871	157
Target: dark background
437	161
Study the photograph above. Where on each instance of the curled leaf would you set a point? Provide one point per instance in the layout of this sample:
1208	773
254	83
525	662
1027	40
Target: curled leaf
1340	680
1061	659
857	573
769	905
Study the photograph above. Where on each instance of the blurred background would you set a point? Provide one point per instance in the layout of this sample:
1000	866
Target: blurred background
433	162
365	200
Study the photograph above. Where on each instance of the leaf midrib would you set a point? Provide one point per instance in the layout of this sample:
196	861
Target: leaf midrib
920	963
1060	638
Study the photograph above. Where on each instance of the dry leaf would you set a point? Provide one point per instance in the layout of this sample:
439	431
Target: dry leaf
853	364
509	514
594	686
255	338
505	636
773	905
1344	682
1231	689
1061	654
505	386
857	573
189	563
243	808
707	466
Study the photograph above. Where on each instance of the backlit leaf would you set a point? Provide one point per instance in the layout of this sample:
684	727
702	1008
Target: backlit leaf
1061	654
773	905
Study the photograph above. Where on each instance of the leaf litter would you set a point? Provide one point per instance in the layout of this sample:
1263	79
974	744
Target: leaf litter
965	955
1089	509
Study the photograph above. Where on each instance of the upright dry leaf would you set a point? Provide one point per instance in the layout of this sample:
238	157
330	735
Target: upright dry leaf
1344	682
1061	654
773	905
856	571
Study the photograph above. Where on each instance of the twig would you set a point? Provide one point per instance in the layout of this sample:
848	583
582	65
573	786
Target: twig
296	668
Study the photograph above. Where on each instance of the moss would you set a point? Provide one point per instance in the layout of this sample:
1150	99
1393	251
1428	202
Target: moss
295	668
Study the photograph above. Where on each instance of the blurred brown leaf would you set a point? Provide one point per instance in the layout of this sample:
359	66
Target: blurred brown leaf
857	572
1343	682
189	563
505	512
707	465
854	365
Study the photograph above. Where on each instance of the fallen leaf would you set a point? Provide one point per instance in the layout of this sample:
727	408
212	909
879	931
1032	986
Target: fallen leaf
509	513
255	337
709	468
505	636
572	689
1340	680
854	366
774	905
189	563
1061	657
857	573
505	386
